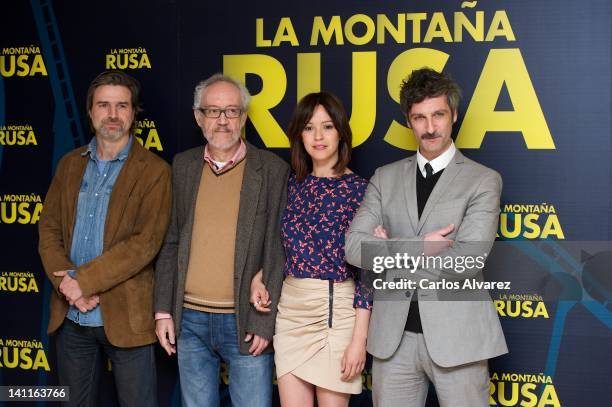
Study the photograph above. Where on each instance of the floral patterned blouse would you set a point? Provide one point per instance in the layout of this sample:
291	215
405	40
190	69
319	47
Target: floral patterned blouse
318	214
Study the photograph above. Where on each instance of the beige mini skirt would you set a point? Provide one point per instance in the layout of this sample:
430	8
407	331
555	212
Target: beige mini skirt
309	340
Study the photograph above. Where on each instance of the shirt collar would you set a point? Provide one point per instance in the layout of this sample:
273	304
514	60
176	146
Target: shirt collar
92	149
440	162
236	158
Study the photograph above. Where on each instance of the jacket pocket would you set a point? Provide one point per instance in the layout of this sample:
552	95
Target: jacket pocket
456	204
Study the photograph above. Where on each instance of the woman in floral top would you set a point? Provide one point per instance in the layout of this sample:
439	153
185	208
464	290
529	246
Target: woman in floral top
324	309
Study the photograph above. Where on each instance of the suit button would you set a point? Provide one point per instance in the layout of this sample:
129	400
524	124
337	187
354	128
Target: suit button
397	280
408	294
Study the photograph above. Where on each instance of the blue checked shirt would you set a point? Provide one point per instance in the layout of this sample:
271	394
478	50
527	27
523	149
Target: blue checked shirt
92	207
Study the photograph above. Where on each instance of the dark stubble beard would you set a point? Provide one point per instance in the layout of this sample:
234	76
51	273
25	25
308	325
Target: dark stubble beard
111	135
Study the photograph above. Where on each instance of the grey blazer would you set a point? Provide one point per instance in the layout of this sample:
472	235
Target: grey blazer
258	243
466	195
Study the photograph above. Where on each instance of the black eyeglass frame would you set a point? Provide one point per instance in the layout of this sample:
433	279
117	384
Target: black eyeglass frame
206	111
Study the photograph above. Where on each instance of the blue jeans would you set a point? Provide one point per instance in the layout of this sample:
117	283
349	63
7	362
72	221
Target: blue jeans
204	340
79	357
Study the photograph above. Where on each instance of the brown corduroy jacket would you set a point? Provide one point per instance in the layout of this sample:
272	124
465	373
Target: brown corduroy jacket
136	222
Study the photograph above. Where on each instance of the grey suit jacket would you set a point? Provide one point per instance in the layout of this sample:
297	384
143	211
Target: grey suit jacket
258	243
466	195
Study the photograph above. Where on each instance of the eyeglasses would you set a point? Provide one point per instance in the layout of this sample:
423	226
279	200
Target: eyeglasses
215	112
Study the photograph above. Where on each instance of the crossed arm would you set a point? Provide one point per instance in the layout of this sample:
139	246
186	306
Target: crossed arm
476	231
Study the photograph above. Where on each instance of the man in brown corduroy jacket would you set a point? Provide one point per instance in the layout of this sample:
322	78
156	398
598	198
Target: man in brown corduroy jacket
104	220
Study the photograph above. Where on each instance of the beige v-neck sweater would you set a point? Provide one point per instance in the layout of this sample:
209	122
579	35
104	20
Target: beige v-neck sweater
210	274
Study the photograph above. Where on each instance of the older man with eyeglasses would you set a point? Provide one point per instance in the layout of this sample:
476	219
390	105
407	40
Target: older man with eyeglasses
228	198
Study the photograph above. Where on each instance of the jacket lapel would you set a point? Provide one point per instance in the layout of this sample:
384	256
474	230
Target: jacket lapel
410	191
133	168
446	179
249	196
186	213
194	169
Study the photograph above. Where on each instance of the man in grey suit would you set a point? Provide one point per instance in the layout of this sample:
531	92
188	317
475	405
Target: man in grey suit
442	201
228	197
